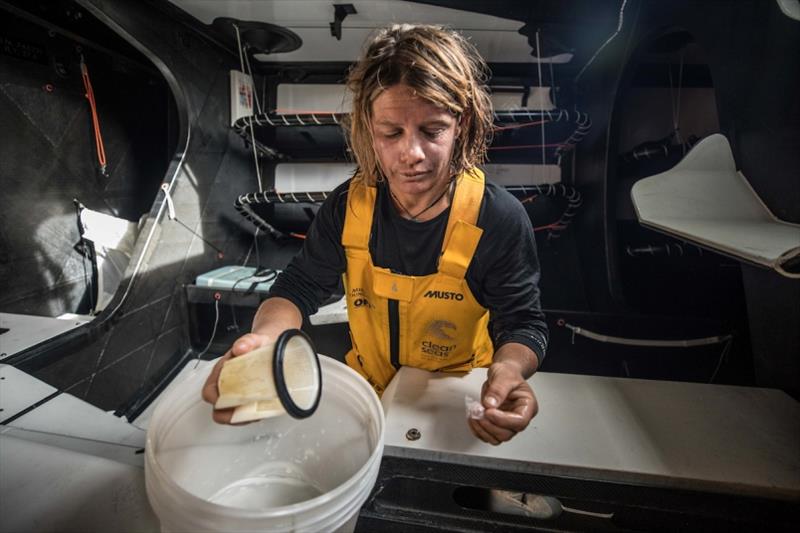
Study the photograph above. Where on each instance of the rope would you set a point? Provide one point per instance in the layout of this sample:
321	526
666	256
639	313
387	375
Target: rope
98	137
173	216
541	93
243	59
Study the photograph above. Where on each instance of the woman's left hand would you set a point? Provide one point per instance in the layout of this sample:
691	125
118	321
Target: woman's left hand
509	402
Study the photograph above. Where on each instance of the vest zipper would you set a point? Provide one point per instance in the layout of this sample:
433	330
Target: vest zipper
394	332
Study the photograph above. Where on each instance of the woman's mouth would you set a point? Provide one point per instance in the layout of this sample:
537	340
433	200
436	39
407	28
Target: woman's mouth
413	175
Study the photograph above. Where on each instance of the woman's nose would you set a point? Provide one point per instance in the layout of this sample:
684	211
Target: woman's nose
412	151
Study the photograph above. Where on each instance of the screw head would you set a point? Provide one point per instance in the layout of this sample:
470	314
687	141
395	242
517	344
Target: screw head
413	434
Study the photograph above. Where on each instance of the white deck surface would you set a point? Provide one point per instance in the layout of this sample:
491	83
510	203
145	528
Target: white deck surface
728	439
25	331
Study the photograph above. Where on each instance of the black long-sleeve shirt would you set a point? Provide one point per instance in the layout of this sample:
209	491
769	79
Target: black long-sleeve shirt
503	275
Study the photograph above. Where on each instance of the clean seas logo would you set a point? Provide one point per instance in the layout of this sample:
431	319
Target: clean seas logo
444	295
443	331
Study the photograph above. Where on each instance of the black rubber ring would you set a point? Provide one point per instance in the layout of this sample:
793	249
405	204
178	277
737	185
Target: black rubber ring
280	381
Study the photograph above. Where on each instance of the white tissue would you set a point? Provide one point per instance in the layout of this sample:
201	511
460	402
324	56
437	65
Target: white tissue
474	407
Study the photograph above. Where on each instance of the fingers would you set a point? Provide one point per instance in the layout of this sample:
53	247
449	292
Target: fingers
501	379
489	432
511	415
210	393
517	411
479	431
247	343
222	416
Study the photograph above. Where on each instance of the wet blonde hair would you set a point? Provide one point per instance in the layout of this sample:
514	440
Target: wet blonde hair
440	66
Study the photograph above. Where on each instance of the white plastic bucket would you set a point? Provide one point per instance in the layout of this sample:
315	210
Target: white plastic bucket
279	474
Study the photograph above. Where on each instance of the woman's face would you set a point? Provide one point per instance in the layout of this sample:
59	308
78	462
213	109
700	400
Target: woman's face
413	140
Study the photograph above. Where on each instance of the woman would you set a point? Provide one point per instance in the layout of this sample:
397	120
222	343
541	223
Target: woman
440	267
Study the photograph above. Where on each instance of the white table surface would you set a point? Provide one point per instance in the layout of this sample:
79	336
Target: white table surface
740	440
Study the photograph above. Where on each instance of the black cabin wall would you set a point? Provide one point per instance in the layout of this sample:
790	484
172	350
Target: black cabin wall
760	115
127	351
48	156
595	92
750	48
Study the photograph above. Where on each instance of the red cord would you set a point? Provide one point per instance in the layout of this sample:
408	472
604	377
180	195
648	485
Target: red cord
554	225
98	138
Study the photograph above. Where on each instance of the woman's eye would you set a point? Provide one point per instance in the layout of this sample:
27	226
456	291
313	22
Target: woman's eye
392	134
434	133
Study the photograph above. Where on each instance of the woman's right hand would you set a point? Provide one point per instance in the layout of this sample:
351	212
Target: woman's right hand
242	345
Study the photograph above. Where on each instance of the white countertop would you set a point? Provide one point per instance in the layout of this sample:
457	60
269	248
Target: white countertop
682	435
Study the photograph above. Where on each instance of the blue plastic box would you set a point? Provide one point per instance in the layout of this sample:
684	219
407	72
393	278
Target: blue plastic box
239	278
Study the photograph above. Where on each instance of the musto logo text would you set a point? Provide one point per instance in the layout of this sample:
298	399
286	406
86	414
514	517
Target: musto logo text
445	295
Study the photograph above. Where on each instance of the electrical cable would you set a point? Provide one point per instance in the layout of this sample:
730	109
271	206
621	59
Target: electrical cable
619	27
249	250
552	226
272	274
268	274
686	343
541	94
663	249
242	59
653	343
239	46
725	351
255	159
676	107
258	254
217	298
553	85
253	80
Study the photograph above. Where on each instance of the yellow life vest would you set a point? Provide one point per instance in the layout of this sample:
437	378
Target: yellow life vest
431	322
